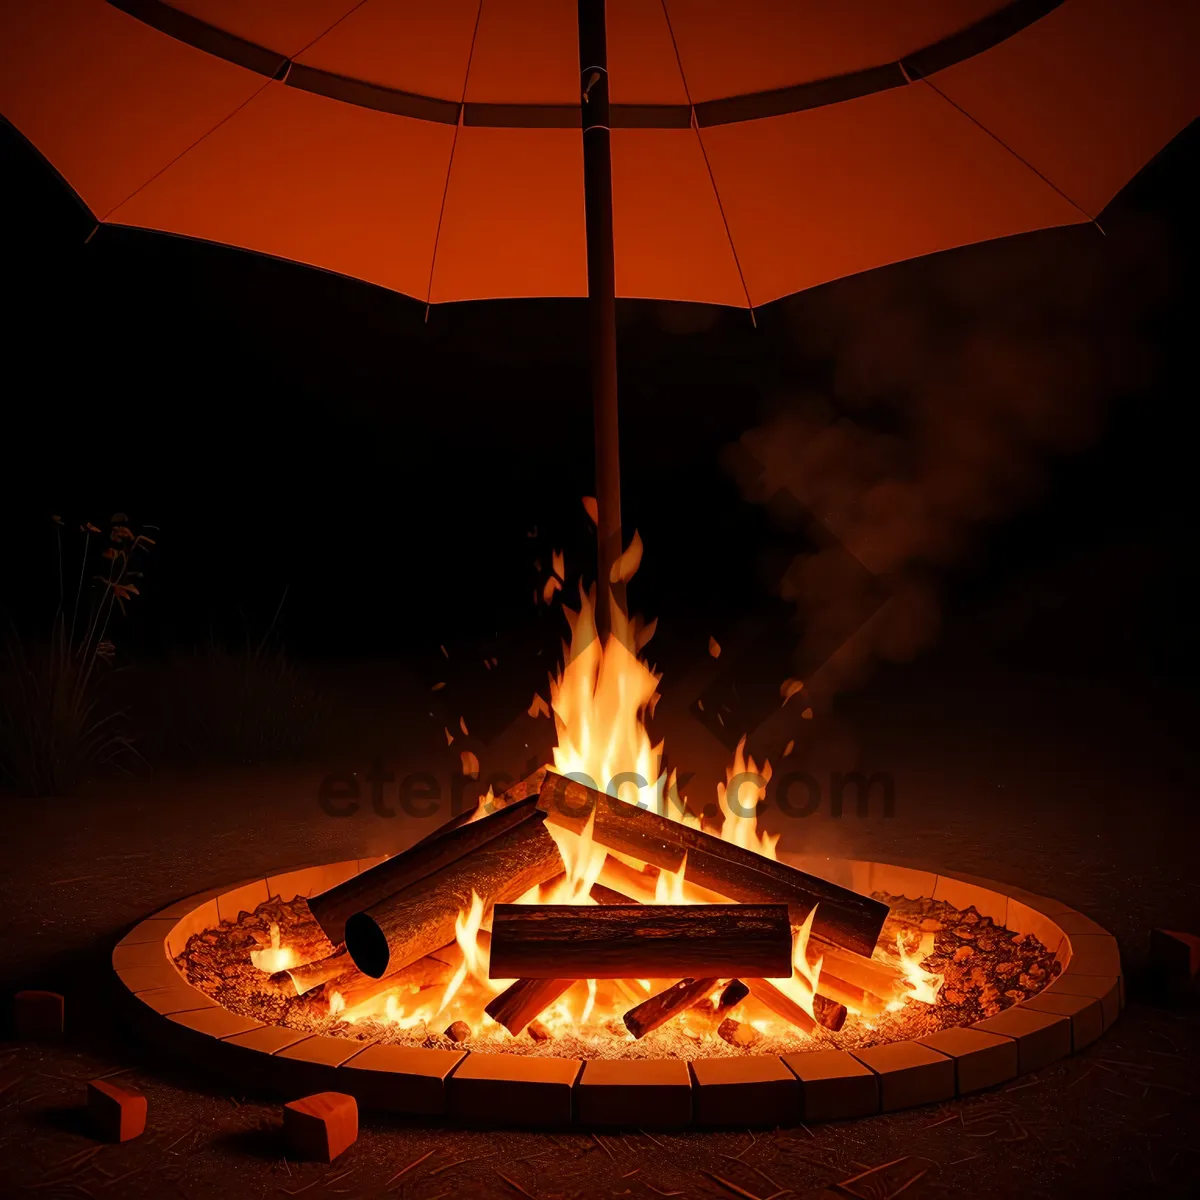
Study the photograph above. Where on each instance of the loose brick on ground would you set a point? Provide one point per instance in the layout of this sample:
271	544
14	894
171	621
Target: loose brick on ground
1175	957
116	1112
321	1127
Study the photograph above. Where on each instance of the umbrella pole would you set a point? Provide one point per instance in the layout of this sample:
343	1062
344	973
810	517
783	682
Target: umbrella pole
597	203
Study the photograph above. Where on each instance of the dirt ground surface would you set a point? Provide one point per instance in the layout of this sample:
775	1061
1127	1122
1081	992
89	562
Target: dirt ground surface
1083	793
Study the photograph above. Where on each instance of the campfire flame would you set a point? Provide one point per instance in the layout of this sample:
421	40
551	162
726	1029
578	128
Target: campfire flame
275	957
600	700
922	985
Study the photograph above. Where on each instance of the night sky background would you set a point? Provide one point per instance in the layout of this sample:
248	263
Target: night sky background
288	428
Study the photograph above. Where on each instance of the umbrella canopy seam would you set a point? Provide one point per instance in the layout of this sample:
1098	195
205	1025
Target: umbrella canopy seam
985	33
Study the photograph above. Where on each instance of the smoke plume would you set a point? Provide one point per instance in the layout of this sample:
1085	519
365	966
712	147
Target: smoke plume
951	386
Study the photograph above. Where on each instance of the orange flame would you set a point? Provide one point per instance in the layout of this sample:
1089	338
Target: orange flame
275	957
922	985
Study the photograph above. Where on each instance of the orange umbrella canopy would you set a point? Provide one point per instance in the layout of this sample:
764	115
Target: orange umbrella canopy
759	147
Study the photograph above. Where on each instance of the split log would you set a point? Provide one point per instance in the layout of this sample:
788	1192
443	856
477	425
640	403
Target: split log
782	1005
843	917
355	988
829	1013
313	974
519	1003
735	992
619	825
738	1033
642	885
416	921
622	878
332	908
881	979
640	941
606	896
658	1010
859	999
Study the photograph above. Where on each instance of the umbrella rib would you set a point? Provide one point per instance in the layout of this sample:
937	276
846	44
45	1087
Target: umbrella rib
737	262
1005	146
280	75
187	150
437	236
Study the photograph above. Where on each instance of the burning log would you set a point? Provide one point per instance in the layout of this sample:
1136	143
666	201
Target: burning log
515	1006
828	1012
735	992
658	1010
606	896
738	1033
623	879
310	975
519	1003
355	988
639	941
843	917
879	979
618	826
442	849
411	923
782	1005
859	999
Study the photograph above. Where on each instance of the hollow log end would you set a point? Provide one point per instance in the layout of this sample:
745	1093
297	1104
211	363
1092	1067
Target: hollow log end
368	945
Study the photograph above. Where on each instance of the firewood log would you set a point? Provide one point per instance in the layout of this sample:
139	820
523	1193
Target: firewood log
659	1009
881	979
621	877
605	895
523	1000
406	926
332	907
859	999
829	1013
565	941
735	992
313	974
782	1005
843	917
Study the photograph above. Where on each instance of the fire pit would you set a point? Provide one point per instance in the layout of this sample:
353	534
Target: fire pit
721	1058
563	953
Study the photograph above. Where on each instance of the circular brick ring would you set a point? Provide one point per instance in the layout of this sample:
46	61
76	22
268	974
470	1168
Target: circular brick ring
1072	1011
